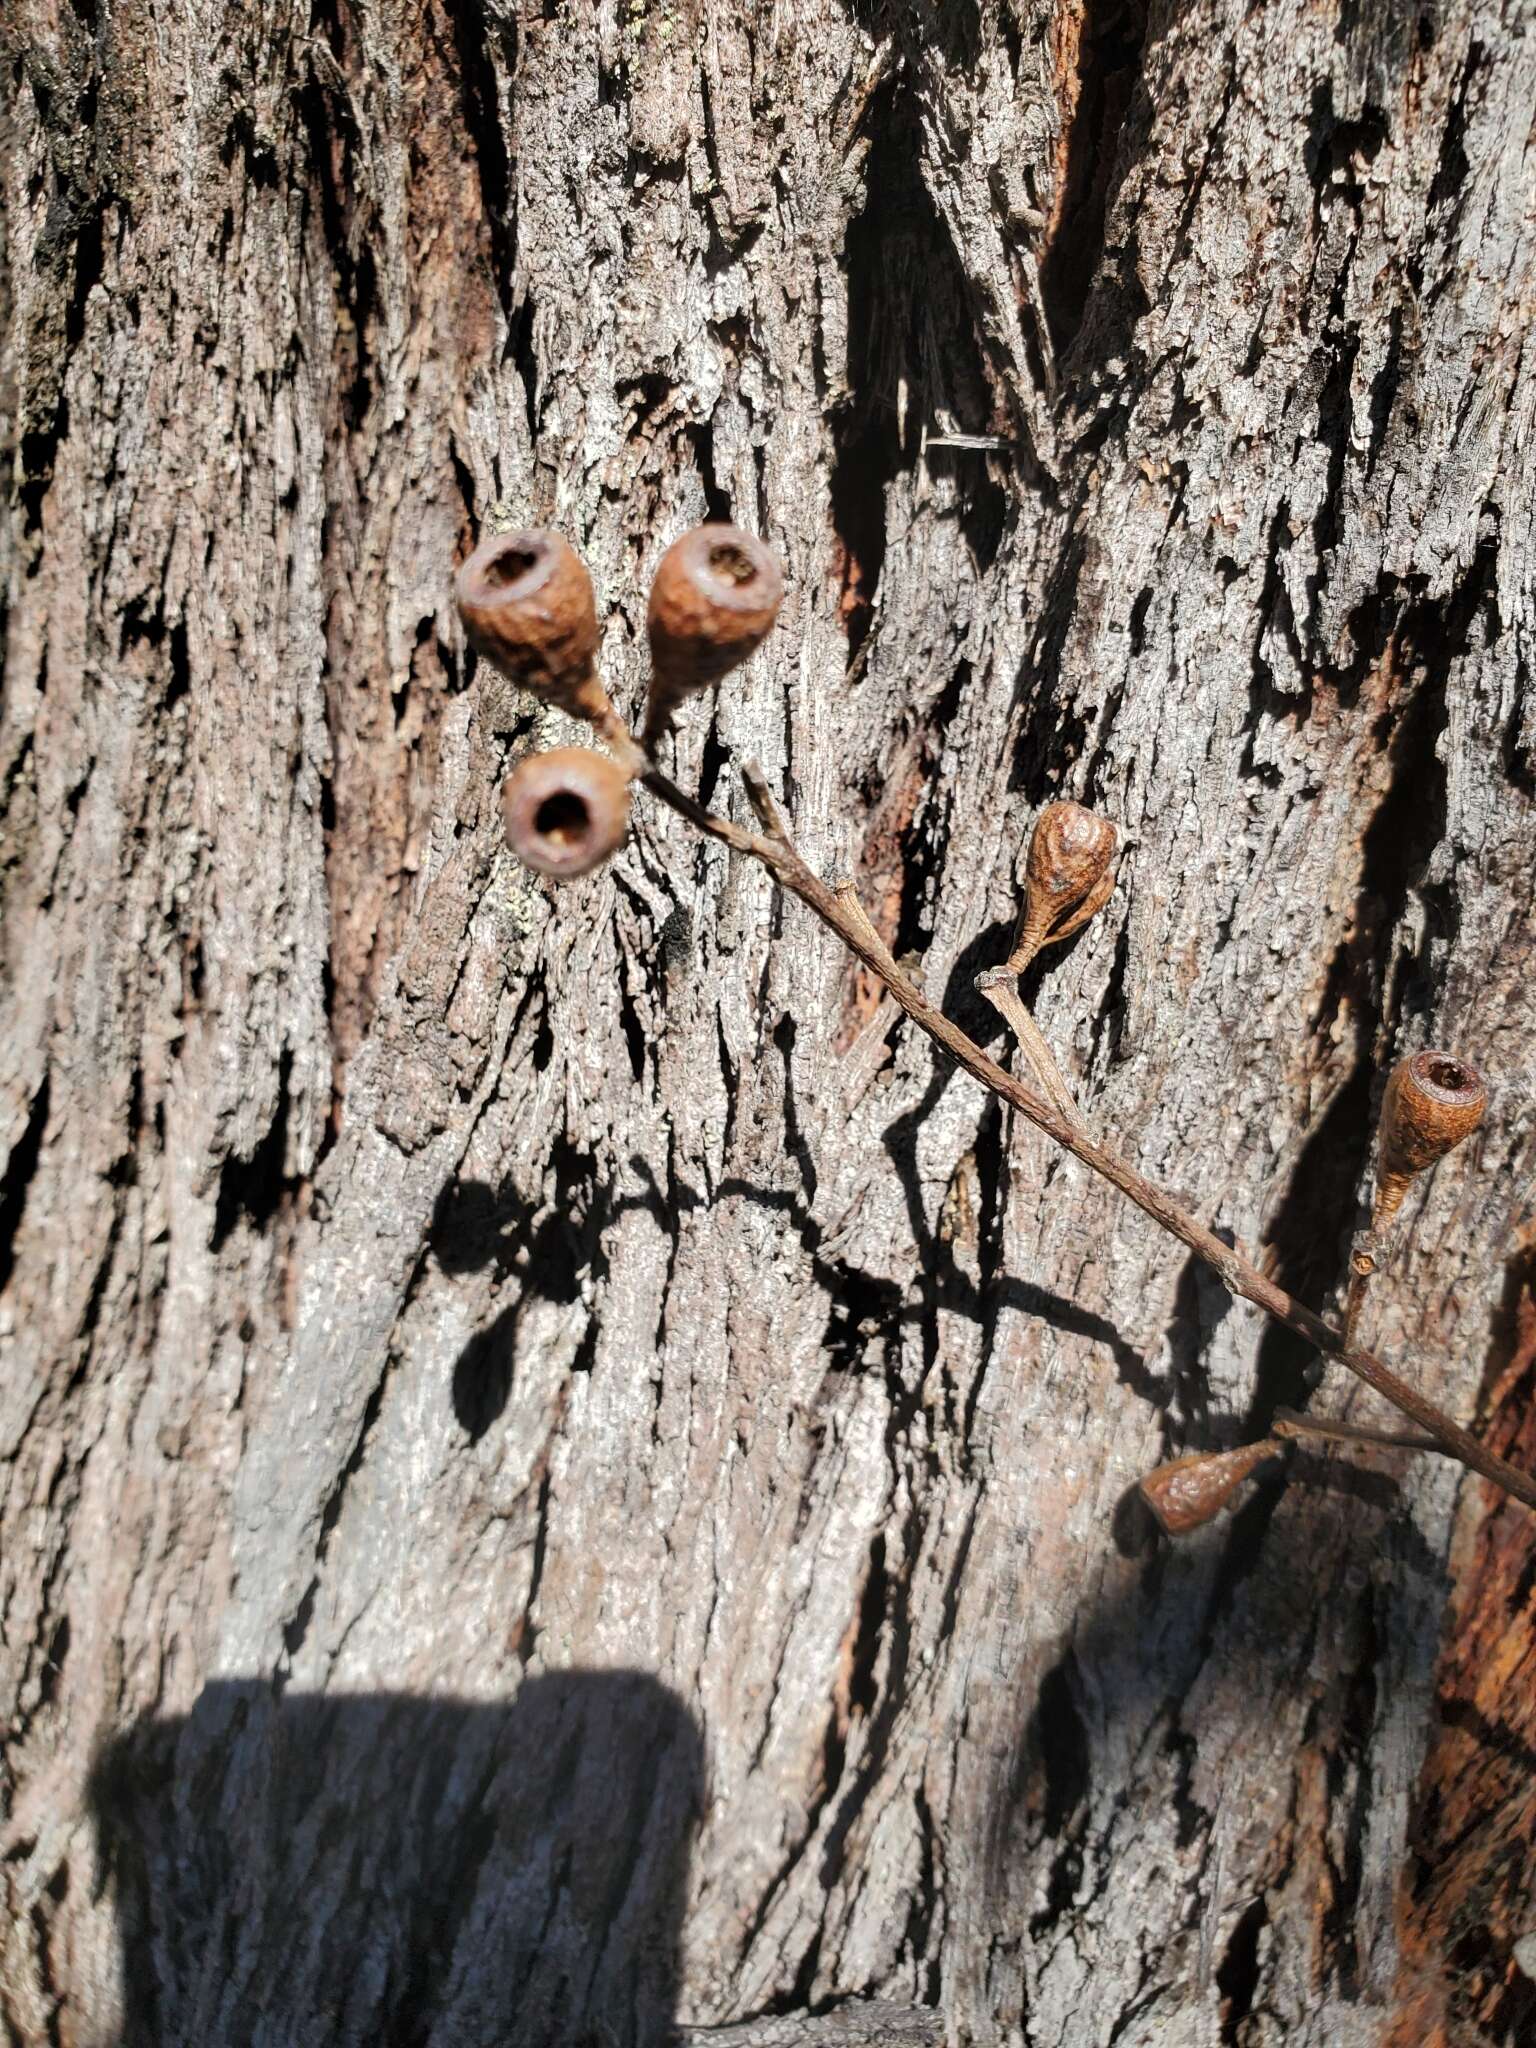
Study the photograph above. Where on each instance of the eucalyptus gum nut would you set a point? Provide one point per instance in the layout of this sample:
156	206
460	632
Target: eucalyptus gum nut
1432	1101
567	811
527	606
1188	1492
715	597
1066	874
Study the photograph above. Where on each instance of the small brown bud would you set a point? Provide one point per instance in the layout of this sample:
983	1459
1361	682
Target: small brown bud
1188	1492
715	598
565	811
1432	1102
526	602
1067	877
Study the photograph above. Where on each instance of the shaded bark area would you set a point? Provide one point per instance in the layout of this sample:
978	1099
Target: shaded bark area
558	1476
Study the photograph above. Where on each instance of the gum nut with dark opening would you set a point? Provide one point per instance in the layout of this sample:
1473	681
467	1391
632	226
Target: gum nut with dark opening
527	605
1432	1101
715	598
567	811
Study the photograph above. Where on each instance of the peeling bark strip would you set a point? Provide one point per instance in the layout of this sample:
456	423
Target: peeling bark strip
425	1307
1468	1968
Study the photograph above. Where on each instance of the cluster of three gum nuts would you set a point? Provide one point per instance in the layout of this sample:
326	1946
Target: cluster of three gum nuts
527	606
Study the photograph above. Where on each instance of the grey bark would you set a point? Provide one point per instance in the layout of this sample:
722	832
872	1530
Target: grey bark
559	1478
863	2023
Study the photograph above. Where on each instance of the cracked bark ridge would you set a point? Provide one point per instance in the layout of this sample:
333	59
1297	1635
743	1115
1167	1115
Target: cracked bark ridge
873	2023
412	1294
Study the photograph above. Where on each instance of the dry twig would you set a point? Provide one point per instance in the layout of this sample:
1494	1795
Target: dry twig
530	610
1237	1273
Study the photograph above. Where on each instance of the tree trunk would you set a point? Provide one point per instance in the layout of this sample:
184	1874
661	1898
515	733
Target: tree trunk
561	1474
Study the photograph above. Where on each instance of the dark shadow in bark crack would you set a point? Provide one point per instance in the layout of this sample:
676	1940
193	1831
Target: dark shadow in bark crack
313	1869
912	354
866	1305
477	1228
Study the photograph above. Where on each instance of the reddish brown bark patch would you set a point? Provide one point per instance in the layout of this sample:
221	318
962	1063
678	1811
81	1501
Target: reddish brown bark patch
881	876
1467	1892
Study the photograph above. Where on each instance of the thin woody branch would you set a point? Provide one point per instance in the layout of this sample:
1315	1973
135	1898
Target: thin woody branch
527	604
1237	1273
847	894
1001	990
1289	1422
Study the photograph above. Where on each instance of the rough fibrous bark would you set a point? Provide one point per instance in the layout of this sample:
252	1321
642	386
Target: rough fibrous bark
561	1478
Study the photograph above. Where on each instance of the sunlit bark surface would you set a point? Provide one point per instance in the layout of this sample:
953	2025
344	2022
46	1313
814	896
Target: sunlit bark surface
559	1476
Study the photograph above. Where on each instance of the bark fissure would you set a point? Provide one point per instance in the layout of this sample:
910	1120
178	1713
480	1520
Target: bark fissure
1136	400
